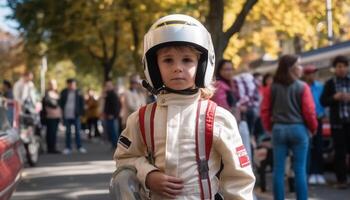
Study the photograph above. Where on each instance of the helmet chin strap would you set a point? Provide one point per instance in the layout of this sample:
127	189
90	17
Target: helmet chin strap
150	89
188	91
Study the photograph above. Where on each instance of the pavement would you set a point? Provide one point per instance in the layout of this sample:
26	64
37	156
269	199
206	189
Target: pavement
66	177
86	177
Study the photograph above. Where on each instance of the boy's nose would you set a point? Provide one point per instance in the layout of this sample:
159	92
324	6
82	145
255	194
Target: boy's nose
178	67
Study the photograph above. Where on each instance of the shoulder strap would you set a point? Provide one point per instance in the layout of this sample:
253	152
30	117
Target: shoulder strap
204	140
146	122
209	126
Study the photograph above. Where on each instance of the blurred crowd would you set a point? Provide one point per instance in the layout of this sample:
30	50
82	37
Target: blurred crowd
280	116
91	115
291	114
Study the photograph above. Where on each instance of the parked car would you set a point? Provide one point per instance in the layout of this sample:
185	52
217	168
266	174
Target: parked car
11	151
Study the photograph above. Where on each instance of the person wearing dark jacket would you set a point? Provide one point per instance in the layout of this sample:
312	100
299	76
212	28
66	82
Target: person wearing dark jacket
111	112
51	115
336	96
72	105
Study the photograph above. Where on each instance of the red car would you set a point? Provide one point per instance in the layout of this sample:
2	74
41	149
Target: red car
11	161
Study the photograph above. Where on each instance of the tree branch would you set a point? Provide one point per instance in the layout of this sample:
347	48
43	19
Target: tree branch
237	25
215	17
94	55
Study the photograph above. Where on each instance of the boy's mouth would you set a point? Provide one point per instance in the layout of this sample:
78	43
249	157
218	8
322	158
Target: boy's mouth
178	79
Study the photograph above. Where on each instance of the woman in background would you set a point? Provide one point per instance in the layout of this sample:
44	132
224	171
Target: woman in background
52	114
288	110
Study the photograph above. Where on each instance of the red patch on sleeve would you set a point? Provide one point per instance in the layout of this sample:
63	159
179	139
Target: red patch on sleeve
242	156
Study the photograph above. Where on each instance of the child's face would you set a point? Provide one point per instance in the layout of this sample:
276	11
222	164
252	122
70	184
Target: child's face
178	66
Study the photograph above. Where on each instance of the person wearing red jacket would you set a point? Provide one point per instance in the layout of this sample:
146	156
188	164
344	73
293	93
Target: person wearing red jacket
288	111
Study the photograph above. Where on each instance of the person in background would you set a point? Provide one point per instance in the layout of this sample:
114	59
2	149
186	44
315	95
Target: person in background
111	111
135	96
336	96
24	93
7	89
288	110
316	153
258	79
225	94
8	94
52	114
92	113
266	83
249	101
72	104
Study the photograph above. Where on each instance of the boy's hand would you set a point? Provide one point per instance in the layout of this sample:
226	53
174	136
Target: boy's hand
167	186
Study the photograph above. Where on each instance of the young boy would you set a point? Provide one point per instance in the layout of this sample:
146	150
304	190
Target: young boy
179	65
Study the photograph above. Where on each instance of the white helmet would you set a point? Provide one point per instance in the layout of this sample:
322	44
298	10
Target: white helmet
178	29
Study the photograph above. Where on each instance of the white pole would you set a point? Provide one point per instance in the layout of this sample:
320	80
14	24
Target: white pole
43	70
329	21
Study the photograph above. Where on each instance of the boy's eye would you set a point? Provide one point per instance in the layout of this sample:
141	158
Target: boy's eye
167	60
187	60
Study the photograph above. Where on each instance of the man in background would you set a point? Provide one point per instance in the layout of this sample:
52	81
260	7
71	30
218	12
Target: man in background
72	105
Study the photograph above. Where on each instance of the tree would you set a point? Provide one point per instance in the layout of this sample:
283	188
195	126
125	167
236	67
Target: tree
87	32
276	27
11	55
215	21
105	36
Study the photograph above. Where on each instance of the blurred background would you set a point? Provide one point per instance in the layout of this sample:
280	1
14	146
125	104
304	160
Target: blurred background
103	38
92	41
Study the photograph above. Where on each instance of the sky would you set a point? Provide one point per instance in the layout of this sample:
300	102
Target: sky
5	24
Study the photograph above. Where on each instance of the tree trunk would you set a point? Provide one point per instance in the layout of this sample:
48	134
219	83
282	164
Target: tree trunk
107	67
215	24
134	23
136	40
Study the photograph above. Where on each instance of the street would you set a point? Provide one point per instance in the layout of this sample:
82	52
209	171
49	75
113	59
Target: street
86	177
66	177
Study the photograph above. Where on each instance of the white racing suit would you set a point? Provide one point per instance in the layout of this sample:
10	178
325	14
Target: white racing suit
175	154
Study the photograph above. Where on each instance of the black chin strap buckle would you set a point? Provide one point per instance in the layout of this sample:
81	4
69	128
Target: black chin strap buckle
151	89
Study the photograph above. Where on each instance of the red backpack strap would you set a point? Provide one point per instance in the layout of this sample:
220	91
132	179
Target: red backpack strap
204	140
146	122
209	126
